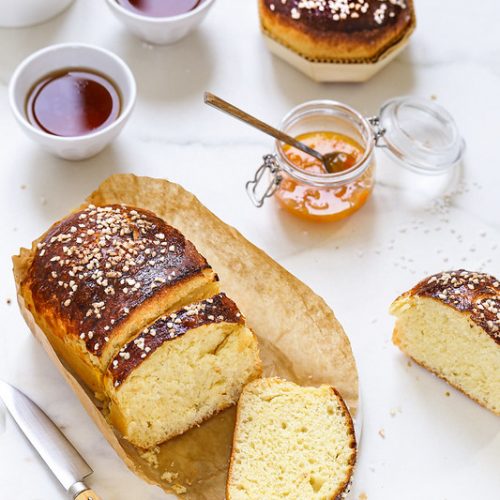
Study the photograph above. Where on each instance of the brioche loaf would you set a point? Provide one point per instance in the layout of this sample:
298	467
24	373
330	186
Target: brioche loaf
181	370
103	285
450	324
101	275
337	31
291	442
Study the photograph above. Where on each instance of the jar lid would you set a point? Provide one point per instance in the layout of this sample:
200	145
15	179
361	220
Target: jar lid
419	134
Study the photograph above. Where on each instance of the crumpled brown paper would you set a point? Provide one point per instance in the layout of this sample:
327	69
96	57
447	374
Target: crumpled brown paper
300	338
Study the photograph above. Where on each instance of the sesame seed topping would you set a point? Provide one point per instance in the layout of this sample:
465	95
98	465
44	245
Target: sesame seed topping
96	257
192	316
376	12
474	293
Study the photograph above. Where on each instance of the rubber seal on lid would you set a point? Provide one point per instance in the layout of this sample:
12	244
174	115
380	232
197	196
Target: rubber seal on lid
420	134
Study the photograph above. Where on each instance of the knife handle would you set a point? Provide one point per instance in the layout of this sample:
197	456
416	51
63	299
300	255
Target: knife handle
87	495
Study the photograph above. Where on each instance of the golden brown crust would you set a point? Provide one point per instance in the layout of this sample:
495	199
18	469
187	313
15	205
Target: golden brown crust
475	294
218	309
103	273
359	31
96	266
344	489
396	341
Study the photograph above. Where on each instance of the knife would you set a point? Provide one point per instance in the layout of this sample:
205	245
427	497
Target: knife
57	452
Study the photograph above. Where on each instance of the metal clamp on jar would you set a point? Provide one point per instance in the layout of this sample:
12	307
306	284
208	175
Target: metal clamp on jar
418	133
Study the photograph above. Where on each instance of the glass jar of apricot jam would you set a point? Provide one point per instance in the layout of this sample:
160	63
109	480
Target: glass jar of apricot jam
417	133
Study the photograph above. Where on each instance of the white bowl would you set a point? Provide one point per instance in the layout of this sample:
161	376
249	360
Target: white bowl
66	56
22	13
161	30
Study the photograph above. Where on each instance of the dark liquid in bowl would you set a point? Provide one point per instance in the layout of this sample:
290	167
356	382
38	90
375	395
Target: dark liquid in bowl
160	8
73	102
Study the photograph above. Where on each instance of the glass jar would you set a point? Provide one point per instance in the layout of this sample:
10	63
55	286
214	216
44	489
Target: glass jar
417	133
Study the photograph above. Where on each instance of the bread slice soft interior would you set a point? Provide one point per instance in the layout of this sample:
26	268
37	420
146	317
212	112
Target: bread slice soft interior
161	386
451	345
291	442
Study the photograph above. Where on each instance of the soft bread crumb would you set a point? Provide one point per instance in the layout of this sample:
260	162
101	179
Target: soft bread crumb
197	375
291	442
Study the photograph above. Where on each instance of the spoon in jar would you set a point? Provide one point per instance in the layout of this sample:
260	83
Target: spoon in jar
333	162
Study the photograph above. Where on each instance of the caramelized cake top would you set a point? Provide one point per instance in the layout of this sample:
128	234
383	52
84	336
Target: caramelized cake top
92	269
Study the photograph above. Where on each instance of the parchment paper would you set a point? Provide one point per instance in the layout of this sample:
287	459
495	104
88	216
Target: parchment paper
300	338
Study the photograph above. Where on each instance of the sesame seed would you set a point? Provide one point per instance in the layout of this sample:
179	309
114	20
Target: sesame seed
476	294
99	253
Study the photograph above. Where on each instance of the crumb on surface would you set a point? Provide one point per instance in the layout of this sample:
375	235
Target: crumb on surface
394	411
169	476
363	496
9	302
381	433
151	457
179	489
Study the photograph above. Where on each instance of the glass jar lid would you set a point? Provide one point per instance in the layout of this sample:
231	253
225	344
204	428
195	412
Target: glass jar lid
419	134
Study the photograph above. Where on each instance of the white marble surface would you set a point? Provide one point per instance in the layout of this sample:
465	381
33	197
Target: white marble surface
435	447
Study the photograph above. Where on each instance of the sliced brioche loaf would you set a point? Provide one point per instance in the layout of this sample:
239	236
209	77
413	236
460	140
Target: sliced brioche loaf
450	324
181	370
291	442
102	274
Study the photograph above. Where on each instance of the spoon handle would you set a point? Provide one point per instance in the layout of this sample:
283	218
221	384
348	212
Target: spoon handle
217	102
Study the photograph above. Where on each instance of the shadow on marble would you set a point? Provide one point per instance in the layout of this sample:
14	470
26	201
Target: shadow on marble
304	235
18	43
169	73
3	416
59	185
422	194
397	79
454	417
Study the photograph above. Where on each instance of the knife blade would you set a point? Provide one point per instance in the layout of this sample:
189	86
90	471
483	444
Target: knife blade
58	453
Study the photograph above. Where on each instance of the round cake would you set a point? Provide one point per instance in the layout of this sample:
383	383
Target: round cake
338	30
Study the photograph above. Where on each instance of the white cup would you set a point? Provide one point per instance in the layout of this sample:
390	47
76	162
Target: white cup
67	56
20	13
161	30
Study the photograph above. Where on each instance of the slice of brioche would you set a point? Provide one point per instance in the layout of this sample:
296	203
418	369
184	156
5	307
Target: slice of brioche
450	324
102	274
291	442
181	370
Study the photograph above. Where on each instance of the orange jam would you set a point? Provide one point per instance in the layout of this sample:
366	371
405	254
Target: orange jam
326	203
